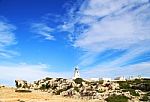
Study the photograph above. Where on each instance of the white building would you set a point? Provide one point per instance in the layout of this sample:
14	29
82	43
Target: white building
134	77
76	73
105	79
93	79
122	78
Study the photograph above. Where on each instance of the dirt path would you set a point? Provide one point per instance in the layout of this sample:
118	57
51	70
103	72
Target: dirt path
9	95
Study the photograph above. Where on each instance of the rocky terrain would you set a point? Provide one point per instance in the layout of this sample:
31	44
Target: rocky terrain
79	89
8	94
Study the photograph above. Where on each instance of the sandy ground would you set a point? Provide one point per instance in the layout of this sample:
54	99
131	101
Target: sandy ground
9	95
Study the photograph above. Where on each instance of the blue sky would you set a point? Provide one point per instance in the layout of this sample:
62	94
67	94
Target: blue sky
40	38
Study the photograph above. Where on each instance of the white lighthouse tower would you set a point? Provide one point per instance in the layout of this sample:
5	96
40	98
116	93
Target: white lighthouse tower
76	73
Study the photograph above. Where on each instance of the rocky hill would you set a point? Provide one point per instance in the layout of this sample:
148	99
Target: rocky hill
82	89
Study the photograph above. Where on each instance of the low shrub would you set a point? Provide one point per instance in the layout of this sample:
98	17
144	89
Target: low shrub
47	78
43	87
76	89
100	91
100	81
124	85
132	92
148	93
59	91
117	98
144	98
78	80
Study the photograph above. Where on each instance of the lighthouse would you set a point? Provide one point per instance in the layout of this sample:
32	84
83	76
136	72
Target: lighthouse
76	73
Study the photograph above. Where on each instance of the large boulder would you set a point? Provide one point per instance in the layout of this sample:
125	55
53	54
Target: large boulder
22	84
69	92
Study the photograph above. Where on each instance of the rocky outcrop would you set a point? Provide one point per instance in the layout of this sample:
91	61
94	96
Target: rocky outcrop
22	84
77	88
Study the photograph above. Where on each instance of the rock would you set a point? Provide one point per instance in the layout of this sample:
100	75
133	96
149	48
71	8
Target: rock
22	84
68	88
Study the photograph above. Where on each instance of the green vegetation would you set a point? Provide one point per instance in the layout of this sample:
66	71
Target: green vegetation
43	87
100	91
59	91
137	84
138	81
148	93
100	81
76	89
68	87
47	78
124	85
117	98
78	80
144	98
132	92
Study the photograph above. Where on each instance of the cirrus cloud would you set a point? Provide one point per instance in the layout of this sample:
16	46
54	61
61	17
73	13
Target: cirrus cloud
100	26
42	29
7	38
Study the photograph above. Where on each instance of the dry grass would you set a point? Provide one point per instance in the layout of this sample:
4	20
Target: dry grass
9	95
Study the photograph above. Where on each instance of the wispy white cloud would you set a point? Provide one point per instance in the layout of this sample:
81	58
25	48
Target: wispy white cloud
114	71
111	25
6	34
42	29
102	8
29	72
7	38
98	26
119	31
